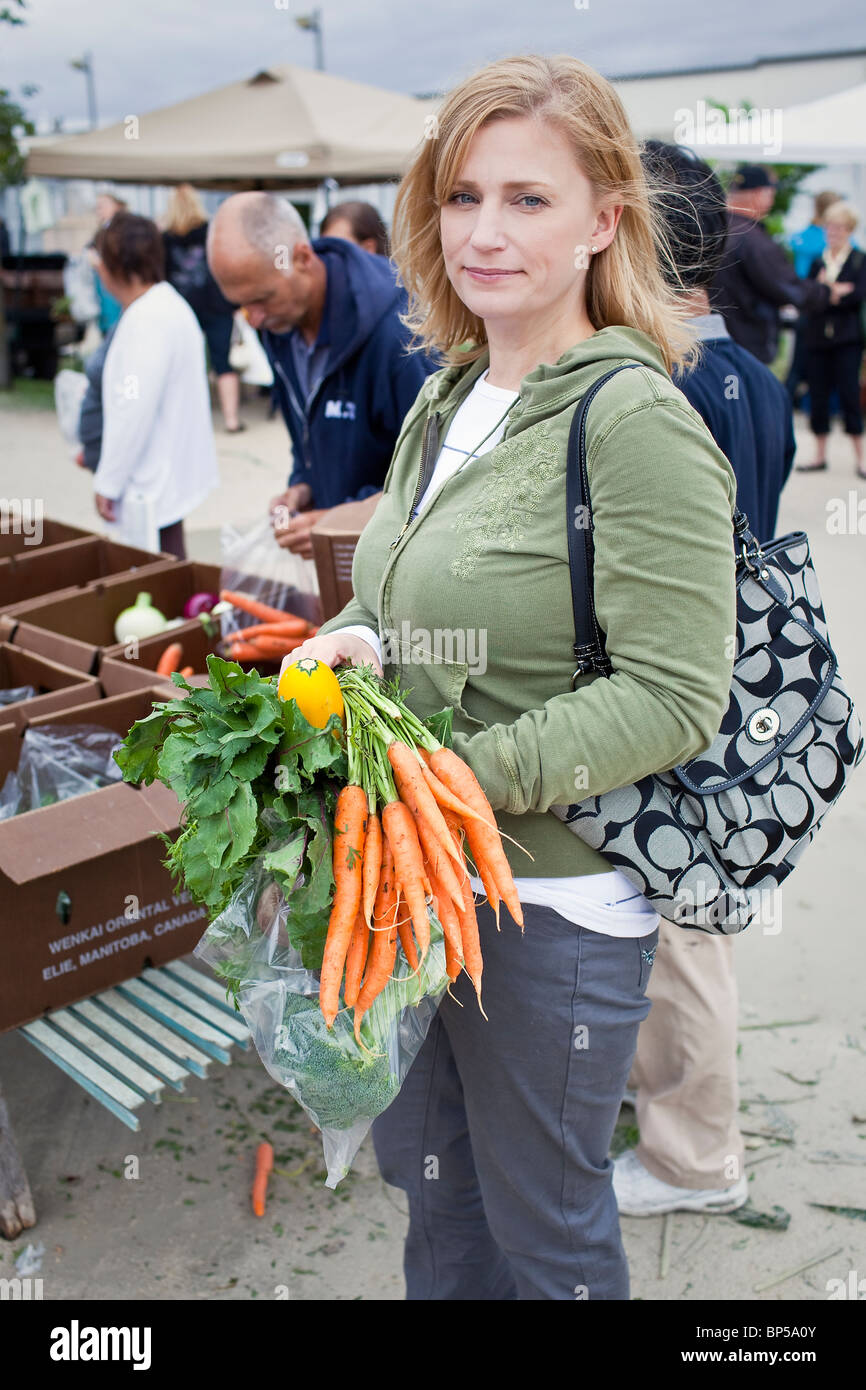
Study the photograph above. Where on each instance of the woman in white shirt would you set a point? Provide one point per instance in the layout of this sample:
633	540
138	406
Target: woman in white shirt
158	459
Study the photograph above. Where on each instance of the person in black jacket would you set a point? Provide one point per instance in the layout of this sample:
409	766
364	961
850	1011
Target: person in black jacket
834	337
756	278
186	268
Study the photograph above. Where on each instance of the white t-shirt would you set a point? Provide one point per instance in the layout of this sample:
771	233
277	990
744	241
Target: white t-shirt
607	903
157	435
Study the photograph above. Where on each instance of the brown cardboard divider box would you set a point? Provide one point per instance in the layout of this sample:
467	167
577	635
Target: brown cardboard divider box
61	569
57	687
85	900
16	538
140	661
334	540
78	629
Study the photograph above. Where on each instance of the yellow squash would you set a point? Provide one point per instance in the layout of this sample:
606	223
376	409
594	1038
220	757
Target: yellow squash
315	688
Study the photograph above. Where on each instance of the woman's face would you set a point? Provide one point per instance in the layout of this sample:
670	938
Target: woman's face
837	234
519	224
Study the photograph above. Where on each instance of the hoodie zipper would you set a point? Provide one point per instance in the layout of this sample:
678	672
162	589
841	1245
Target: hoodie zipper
429	454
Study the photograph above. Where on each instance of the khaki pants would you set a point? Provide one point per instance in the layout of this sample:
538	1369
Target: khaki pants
685	1068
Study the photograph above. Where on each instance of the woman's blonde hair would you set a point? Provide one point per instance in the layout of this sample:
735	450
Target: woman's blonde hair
840	211
624	282
185	210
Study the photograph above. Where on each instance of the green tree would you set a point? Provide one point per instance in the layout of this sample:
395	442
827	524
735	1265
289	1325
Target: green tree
12	120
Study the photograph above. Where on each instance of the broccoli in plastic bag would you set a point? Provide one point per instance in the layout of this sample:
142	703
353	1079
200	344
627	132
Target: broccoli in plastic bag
341	1086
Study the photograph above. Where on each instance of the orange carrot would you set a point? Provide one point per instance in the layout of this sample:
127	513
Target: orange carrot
275	647
350	824
399	827
417	795
248	604
407	940
356	959
372	866
187	671
449	920
244	651
264	1164
380	962
471	942
446	798
170	659
439	862
485	844
289	627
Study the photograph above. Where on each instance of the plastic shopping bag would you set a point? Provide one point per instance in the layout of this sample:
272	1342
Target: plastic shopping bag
253	563
341	1086
59	761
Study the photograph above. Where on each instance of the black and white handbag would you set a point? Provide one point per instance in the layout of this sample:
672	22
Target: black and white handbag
707	841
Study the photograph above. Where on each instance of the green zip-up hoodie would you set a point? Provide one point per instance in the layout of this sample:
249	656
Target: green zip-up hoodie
473	597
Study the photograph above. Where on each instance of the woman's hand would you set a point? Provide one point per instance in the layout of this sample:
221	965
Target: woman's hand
106	506
335	649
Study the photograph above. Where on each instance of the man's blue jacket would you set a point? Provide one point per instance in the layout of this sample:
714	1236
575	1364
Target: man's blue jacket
343	436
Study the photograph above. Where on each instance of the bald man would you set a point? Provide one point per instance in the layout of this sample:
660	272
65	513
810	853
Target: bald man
328	314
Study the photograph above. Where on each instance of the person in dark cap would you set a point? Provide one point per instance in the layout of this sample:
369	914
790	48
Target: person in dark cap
684	1075
756	278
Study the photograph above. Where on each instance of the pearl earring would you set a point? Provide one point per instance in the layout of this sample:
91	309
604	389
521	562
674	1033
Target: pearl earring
593	248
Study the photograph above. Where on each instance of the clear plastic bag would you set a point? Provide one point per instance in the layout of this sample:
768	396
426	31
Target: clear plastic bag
13	694
253	563
341	1086
59	761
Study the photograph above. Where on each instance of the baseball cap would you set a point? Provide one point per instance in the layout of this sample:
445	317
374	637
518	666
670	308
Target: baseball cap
752	176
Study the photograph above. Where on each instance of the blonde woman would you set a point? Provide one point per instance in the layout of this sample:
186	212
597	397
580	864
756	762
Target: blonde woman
186	268
524	233
834	337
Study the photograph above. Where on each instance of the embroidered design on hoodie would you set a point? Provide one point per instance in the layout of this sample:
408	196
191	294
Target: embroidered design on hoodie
517	472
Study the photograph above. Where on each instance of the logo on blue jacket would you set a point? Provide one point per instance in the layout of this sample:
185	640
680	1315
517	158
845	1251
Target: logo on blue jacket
339	410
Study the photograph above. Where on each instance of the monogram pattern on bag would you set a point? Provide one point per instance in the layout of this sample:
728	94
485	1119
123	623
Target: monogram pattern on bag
517	472
703	860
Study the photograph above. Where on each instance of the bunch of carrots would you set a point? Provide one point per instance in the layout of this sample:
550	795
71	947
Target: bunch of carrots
271	637
400	826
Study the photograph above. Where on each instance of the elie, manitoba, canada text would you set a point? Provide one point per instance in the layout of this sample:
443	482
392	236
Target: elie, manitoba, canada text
106	938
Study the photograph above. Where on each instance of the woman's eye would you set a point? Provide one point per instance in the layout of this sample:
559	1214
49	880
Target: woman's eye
534	200
455	198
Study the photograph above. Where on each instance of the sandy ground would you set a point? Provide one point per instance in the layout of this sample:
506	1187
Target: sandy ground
183	1229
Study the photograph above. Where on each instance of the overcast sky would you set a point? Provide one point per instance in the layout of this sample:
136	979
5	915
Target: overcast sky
149	53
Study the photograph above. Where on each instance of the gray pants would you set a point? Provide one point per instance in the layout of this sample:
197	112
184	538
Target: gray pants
501	1131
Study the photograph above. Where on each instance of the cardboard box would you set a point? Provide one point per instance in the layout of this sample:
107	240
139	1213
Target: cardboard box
85	901
14	541
58	570
334	540
78	630
141	661
57	687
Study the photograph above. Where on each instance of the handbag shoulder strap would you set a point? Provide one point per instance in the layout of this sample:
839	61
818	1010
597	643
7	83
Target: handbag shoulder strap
589	647
589	650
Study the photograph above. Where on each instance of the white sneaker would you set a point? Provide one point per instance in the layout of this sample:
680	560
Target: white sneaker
638	1193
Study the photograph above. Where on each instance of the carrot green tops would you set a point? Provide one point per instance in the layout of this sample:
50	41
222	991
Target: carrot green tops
472	598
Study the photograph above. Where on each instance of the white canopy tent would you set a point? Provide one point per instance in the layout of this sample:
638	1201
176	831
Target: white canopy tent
286	126
830	130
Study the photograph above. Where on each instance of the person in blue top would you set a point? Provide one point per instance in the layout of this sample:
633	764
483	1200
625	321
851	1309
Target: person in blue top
329	317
